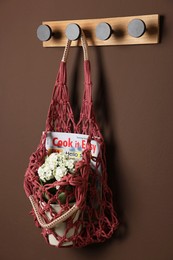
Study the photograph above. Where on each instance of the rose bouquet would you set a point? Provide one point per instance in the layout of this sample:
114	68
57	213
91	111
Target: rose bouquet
53	171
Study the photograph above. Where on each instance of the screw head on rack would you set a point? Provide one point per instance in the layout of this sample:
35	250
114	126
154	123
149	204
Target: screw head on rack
44	33
72	31
103	31
136	28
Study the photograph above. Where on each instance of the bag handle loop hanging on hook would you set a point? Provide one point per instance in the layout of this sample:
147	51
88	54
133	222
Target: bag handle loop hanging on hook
60	93
84	46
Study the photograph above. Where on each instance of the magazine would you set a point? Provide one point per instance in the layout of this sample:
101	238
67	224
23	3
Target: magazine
70	143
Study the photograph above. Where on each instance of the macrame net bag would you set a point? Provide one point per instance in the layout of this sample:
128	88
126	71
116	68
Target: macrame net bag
87	215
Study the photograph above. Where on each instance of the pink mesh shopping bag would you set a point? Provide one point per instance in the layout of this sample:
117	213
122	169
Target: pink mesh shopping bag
66	179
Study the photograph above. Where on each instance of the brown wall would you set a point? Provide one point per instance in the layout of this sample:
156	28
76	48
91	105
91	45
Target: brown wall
133	98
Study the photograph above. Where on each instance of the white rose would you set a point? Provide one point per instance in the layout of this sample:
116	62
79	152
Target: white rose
52	165
52	159
70	164
64	170
49	175
60	172
41	173
62	164
45	173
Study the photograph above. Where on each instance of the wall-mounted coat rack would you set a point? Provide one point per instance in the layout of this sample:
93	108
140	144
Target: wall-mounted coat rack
105	31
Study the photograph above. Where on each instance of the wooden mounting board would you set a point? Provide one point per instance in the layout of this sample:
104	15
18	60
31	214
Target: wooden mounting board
119	36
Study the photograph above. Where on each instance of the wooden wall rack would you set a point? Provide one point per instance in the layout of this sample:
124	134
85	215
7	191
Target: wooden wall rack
119	31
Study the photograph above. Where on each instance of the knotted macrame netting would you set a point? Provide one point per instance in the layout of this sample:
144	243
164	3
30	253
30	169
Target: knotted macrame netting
91	217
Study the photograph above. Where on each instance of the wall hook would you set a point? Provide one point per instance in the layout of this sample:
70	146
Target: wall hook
136	28
44	32
73	31
103	31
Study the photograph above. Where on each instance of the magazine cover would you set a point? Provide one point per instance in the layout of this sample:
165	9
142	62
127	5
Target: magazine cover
70	143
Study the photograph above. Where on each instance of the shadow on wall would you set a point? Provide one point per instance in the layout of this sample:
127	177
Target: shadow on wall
102	115
113	170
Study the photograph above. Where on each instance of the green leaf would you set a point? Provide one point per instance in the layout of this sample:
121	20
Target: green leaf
62	197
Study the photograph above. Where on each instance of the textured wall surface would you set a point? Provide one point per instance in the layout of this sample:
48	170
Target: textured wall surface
132	88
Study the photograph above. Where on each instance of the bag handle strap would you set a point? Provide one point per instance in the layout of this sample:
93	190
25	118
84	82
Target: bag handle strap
84	46
60	97
54	222
86	109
